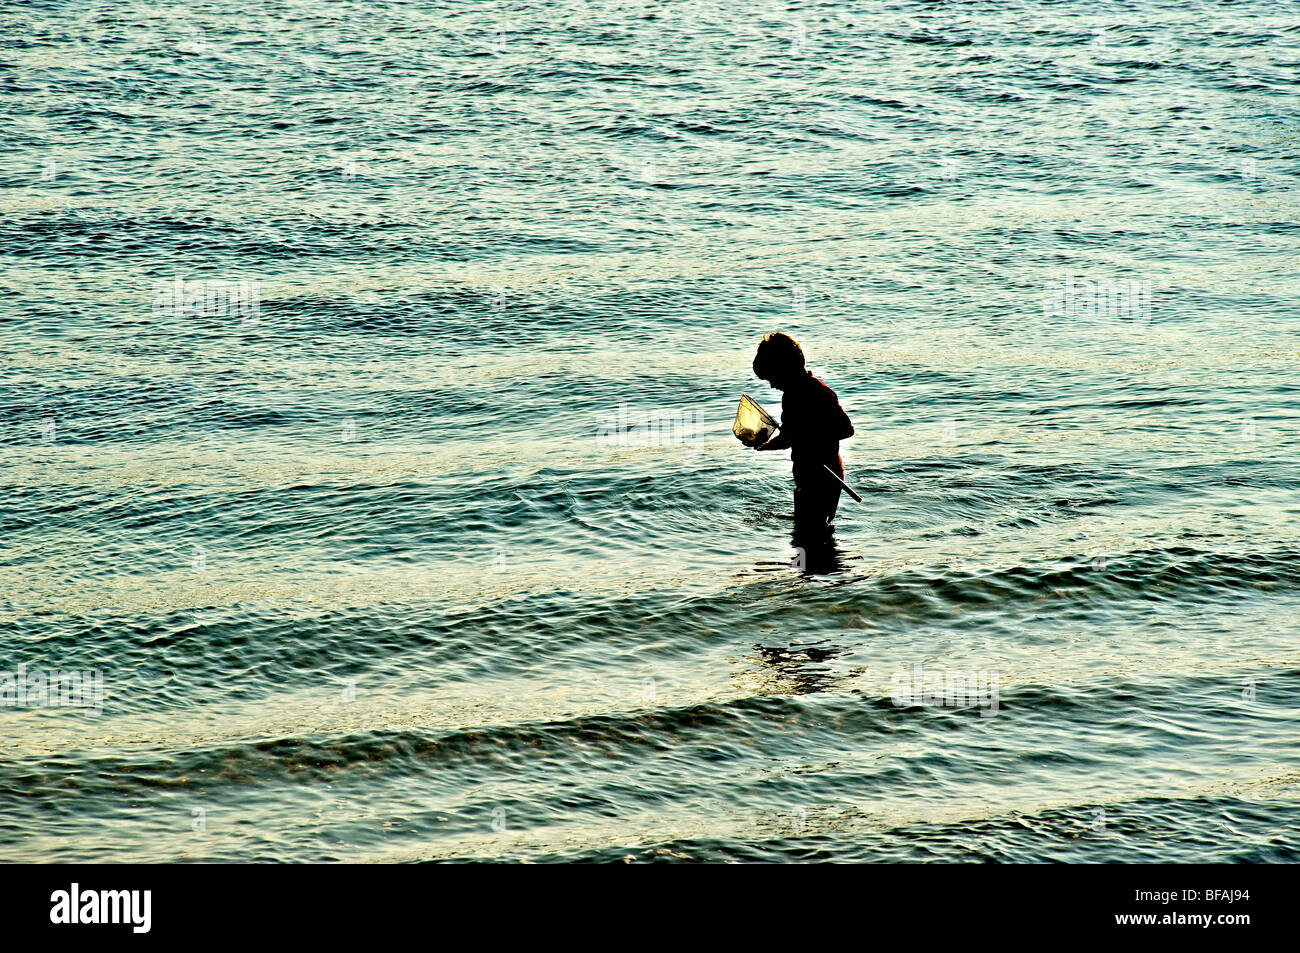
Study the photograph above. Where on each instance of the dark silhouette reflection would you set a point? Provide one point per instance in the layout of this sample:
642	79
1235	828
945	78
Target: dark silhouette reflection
816	553
798	670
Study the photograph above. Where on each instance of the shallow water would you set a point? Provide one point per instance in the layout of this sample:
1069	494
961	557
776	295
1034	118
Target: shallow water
367	576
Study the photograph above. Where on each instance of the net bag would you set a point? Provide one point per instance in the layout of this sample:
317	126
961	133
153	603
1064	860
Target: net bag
754	425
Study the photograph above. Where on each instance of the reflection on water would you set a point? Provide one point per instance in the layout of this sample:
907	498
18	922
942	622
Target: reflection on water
816	556
798	669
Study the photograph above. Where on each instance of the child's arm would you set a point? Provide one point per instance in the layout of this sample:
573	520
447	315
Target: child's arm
840	426
828	422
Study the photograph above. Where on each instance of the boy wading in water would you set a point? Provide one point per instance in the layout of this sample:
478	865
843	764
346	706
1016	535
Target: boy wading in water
812	425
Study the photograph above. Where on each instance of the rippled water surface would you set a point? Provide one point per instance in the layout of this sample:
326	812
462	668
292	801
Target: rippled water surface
367	577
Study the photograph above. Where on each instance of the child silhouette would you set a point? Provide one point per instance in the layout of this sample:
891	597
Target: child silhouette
812	425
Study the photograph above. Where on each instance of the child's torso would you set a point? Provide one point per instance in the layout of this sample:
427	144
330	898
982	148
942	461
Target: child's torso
809	406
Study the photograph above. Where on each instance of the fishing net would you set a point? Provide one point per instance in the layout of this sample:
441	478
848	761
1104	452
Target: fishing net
754	425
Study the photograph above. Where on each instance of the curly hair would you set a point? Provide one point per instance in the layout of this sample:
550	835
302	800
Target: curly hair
779	355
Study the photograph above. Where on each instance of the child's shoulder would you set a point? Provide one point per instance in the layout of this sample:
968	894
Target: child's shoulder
820	388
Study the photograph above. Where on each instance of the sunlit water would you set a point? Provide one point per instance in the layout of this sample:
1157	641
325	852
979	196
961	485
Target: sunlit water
367	576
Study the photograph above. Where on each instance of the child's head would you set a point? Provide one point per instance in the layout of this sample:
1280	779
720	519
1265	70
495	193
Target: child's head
779	359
